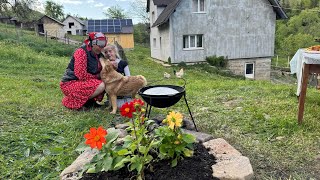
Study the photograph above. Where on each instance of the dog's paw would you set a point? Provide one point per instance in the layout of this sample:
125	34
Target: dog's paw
112	112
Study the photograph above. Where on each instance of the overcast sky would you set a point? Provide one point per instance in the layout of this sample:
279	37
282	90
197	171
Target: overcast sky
91	8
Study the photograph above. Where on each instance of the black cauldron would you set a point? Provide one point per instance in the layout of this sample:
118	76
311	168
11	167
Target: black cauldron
162	96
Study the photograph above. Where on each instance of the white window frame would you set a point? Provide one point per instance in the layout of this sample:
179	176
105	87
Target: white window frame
155	42
249	76
199	6
195	42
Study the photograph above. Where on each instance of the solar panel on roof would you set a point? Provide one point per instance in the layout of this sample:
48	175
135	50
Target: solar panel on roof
110	22
97	28
117	29
90	22
104	29
123	22
104	22
110	29
129	22
97	22
117	22
91	29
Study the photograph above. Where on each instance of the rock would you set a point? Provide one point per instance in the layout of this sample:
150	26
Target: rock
122	133
220	147
71	172
188	124
235	168
200	137
122	126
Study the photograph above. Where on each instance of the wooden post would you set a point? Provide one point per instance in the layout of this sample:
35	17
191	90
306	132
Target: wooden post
288	61
277	60
302	97
46	36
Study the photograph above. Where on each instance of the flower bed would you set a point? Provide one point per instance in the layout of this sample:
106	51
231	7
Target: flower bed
164	152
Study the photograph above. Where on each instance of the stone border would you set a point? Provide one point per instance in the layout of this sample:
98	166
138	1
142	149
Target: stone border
231	165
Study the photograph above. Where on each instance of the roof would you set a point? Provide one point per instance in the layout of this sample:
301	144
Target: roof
115	26
278	9
166	13
52	19
158	3
77	19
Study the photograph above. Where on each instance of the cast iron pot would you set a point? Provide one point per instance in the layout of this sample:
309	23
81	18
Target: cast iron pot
162	101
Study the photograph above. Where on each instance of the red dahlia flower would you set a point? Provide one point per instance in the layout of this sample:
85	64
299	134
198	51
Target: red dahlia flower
127	109
95	138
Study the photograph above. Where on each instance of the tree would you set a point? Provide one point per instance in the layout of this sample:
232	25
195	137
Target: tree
54	10
115	12
139	10
19	8
141	34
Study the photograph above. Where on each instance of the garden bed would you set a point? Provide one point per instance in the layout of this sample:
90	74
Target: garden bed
196	167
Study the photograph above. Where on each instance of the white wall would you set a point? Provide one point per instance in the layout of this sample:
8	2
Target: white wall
77	26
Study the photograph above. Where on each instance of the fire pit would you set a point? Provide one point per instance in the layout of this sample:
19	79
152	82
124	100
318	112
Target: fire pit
163	96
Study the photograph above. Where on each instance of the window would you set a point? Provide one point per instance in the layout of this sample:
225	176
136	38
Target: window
153	17
71	24
192	41
154	42
198	5
249	70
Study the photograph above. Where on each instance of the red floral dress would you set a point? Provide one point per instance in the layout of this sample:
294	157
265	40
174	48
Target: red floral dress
77	92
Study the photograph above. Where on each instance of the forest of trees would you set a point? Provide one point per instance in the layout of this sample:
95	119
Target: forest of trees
301	29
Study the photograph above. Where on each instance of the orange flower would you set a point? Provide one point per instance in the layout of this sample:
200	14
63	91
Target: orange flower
127	109
95	138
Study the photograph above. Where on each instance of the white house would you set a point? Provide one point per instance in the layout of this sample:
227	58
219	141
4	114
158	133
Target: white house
74	26
243	31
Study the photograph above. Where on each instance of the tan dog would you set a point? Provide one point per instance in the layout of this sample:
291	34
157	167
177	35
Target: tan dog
118	84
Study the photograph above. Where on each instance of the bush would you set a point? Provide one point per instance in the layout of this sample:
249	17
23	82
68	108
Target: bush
217	61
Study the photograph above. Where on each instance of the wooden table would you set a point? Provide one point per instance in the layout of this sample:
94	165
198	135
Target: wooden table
307	69
303	64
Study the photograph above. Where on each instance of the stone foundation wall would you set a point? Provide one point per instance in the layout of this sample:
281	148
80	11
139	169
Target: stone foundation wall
262	67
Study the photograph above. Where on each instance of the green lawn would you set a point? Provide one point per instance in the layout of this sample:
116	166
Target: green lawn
39	136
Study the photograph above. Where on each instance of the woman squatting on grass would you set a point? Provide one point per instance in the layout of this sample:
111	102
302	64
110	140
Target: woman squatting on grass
81	83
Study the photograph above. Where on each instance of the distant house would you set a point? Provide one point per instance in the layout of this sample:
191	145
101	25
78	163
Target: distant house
50	26
191	30
116	30
74	26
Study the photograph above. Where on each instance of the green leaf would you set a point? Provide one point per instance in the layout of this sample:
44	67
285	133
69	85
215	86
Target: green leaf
188	152
107	163
133	166
174	162
123	152
142	149
188	138
122	163
91	170
112	135
148	159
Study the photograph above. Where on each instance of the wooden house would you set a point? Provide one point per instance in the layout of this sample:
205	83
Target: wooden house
243	31
116	30
74	26
50	26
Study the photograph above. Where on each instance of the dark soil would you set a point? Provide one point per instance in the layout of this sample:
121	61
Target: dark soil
195	168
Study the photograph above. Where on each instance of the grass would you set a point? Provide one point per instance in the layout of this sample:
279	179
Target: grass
39	136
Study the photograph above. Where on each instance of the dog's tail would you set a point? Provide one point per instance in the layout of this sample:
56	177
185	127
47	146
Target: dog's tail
143	79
